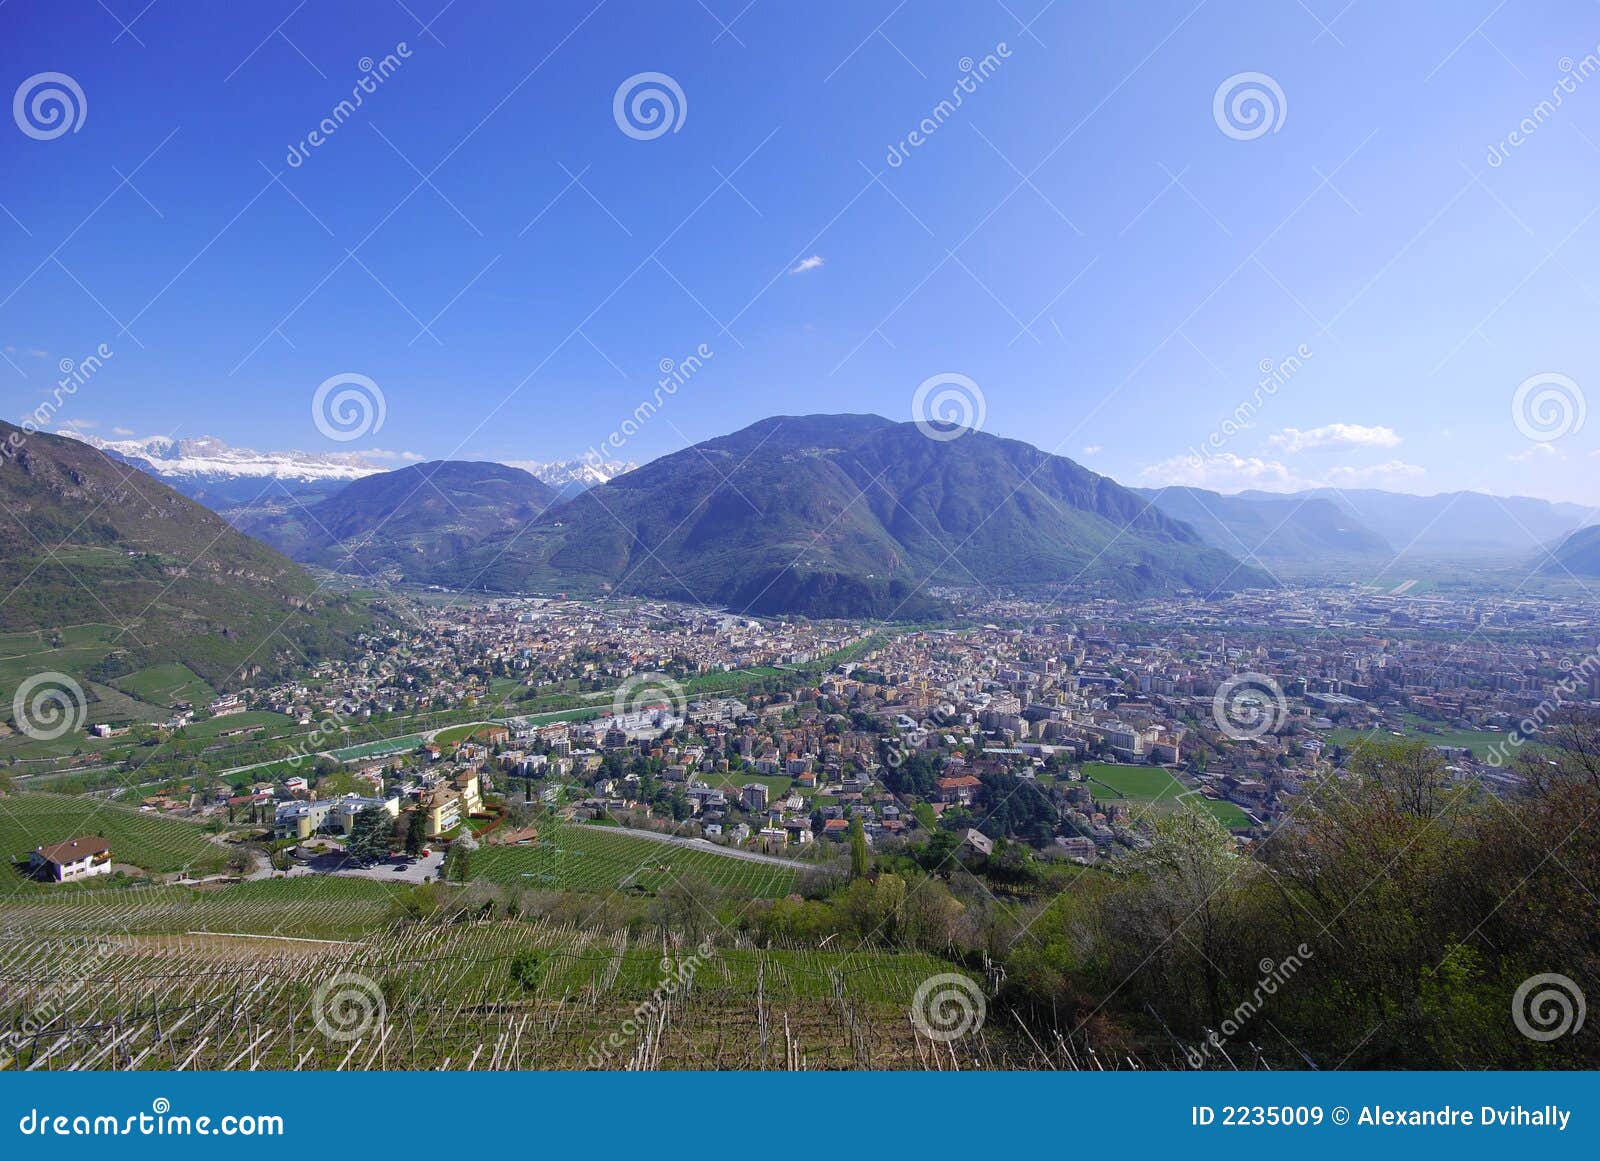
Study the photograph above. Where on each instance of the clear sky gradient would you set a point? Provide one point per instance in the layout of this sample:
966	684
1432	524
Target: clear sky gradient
1080	237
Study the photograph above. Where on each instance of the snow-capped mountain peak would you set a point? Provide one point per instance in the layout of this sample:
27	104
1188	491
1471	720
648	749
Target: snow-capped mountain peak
206	457
570	477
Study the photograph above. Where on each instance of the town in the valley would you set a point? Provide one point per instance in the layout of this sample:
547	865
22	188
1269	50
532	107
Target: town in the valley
1029	732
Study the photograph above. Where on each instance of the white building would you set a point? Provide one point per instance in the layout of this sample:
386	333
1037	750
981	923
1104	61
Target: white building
77	858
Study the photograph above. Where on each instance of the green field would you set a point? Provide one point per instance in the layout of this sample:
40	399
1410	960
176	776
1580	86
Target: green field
454	734
577	858
378	749
166	685
276	725
776	784
148	841
1478	741
1157	788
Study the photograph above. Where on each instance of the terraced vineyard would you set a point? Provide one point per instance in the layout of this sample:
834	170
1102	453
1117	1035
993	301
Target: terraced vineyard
580	858
483	995
148	841
325	907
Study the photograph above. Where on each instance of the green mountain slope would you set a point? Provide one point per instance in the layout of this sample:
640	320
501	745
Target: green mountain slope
406	522
86	541
1577	555
852	515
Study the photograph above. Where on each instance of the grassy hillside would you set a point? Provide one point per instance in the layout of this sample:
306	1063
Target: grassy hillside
114	575
580	858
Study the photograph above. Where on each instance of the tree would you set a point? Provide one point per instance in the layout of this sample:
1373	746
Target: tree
369	835
460	862
859	862
416	831
525	969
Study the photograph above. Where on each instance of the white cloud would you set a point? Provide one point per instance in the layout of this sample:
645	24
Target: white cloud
1224	472
122	431
812	263
1333	436
1093	449
1386	475
1537	451
383	454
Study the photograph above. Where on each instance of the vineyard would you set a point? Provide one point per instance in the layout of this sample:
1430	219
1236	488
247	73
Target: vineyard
86	989
582	858
325	907
148	841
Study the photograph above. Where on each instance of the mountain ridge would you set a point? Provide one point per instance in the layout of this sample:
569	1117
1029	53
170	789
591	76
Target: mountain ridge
1269	527
404	522
817	513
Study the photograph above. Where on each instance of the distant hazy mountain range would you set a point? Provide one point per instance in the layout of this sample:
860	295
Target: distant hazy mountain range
224	477
91	542
1268	527
1453	524
1364	523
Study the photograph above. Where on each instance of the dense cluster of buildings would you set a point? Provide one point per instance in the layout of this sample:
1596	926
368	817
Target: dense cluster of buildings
1243	700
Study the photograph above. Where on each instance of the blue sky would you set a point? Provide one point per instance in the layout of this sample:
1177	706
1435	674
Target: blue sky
1080	238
